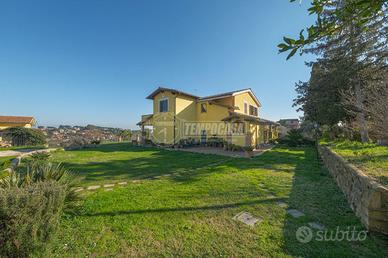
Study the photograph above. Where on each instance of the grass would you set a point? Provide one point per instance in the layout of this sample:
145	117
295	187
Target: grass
188	210
370	158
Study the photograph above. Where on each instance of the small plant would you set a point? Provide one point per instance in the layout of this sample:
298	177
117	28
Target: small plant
40	156
248	148
31	204
95	142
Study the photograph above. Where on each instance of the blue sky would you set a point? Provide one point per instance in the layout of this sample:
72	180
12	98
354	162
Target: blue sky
94	62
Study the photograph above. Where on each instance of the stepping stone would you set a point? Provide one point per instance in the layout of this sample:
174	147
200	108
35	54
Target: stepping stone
282	204
122	183
261	185
247	218
271	196
265	190
108	189
316	225
109	185
93	187
295	213
79	189
136	181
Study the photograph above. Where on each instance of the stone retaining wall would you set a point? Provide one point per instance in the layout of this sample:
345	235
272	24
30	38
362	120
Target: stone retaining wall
367	198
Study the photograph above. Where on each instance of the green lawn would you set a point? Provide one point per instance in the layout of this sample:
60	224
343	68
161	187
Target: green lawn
188	211
371	158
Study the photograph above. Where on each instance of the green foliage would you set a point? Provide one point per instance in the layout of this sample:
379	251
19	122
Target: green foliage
248	148
31	203
125	135
294	138
5	163
40	156
215	142
96	142
359	12
351	64
29	216
21	136
232	147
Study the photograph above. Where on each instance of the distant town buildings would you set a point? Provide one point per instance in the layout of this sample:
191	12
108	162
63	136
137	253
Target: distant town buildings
66	134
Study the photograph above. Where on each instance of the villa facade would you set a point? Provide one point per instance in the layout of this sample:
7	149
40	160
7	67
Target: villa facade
233	116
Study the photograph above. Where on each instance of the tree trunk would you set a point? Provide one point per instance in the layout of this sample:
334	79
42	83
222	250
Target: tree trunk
361	114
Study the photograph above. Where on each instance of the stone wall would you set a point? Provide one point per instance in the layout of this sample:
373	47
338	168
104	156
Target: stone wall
367	198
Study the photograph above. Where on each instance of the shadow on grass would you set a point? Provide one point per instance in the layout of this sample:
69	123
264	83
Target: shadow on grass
117	147
315	193
183	209
180	166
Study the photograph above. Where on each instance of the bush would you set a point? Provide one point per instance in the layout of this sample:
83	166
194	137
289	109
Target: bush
248	148
21	136
31	204
96	142
5	164
28	217
295	138
40	156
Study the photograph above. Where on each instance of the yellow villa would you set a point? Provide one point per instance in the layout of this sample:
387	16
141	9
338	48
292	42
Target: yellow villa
233	116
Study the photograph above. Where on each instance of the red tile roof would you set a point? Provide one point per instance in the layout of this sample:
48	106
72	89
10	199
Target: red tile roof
17	119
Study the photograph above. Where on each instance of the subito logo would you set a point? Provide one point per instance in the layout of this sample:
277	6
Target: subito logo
304	234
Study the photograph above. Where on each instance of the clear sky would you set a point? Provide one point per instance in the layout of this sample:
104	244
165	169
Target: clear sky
94	62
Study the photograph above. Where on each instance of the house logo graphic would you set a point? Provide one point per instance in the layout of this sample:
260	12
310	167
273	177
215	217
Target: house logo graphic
166	128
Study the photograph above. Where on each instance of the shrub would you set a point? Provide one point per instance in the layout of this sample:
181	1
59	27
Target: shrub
96	142
31	204
28	217
5	164
295	138
21	136
40	156
248	148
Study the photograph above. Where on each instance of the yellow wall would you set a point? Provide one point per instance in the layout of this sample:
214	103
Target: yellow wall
214	112
240	99
163	123
188	109
5	126
162	95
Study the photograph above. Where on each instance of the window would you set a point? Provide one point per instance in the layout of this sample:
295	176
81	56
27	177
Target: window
203	108
253	111
163	105
245	108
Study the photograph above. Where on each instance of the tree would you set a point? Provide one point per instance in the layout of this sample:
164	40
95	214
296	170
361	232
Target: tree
375	106
125	135
359	12
350	59
21	136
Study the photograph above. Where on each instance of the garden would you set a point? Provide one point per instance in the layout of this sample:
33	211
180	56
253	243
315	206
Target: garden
176	203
